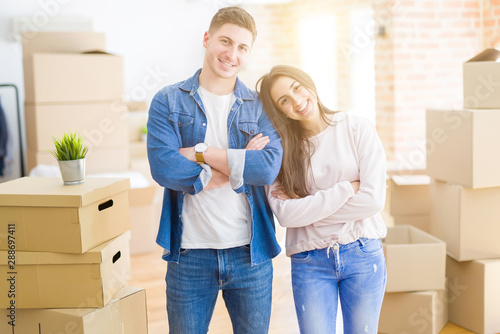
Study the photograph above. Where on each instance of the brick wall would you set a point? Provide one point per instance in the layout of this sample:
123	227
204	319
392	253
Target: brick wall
491	23
418	60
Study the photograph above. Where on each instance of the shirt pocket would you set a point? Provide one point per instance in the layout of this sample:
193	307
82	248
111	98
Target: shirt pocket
182	123
248	129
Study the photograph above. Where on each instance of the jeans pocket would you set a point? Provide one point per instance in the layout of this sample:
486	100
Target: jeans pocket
369	246
183	251
302	257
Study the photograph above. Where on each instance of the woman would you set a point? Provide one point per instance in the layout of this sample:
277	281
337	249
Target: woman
329	192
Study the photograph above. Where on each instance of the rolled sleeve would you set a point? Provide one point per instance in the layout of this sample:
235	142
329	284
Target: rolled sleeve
236	162
205	175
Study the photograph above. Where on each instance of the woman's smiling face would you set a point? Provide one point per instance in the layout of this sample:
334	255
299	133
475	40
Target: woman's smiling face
294	100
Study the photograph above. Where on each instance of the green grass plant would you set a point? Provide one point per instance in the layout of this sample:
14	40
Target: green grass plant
69	147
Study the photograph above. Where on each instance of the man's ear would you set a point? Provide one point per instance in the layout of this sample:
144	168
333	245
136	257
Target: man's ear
206	37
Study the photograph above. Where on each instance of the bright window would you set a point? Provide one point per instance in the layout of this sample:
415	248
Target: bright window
317	43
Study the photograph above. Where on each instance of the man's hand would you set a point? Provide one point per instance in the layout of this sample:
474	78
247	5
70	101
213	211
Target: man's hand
189	153
257	143
218	179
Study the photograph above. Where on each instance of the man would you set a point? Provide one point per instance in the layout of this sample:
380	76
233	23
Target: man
213	148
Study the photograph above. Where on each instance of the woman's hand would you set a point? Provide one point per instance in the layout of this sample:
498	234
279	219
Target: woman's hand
258	142
355	186
279	194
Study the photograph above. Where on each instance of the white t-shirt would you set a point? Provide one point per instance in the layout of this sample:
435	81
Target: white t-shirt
216	218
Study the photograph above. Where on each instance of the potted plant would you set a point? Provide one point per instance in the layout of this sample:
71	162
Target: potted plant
70	153
144	132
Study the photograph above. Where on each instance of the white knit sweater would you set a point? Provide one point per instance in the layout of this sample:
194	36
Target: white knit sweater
345	152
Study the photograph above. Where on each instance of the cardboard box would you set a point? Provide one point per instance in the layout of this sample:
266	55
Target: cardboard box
98	160
461	146
49	216
100	124
145	211
124	314
61	42
474	297
468	220
424	312
409	194
421	222
63	280
482	80
72	78
415	260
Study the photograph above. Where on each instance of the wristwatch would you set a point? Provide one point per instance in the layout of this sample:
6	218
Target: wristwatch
199	149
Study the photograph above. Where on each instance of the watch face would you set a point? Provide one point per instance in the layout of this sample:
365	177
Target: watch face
201	147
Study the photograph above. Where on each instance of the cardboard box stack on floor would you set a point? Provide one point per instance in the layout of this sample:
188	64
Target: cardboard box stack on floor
464	164
71	84
414	301
65	258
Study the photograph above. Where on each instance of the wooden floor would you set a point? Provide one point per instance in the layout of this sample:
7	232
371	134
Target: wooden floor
148	271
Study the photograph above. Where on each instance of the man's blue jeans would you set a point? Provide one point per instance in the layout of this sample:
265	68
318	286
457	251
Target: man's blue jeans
355	273
194	283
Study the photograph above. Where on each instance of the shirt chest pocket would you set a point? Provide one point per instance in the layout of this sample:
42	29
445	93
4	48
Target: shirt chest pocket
182	123
248	129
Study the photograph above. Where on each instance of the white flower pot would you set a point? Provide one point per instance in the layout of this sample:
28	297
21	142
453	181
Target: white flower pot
72	171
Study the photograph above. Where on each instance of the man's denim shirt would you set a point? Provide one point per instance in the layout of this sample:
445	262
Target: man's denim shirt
177	119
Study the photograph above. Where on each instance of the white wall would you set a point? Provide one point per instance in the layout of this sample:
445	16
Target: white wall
160	41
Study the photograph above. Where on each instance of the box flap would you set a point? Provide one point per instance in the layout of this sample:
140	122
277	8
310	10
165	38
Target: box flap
62	42
486	55
51	192
96	255
411	180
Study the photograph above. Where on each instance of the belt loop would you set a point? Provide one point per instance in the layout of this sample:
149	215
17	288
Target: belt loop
362	241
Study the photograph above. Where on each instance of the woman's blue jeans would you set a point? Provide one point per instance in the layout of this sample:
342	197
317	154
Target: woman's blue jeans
194	283
355	273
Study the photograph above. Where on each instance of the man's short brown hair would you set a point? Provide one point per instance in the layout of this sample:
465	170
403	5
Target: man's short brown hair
234	15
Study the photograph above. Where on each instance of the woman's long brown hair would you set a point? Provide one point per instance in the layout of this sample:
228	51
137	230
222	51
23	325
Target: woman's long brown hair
297	147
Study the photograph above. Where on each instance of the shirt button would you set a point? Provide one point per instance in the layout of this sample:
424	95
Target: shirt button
204	124
179	216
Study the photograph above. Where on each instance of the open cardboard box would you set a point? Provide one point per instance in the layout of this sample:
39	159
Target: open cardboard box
415	260
50	216
482	80
63	280
124	314
70	67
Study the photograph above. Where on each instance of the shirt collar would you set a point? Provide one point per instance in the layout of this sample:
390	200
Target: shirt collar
241	91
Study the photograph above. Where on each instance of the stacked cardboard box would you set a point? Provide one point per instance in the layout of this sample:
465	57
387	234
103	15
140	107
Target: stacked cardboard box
64	255
462	159
71	84
414	301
